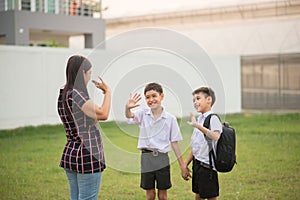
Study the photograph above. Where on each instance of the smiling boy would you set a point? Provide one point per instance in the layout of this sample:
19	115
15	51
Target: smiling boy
205	182
159	131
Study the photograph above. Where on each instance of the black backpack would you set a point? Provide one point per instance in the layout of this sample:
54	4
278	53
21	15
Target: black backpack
225	157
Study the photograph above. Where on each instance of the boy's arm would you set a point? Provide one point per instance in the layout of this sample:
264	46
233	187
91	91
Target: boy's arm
128	112
214	135
189	158
132	103
185	173
177	151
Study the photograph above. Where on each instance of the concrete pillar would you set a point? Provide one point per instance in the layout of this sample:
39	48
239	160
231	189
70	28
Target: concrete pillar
22	35
88	40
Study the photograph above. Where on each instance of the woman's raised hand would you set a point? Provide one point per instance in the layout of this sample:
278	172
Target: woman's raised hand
101	85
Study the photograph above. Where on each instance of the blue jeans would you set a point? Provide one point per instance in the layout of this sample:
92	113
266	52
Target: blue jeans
84	186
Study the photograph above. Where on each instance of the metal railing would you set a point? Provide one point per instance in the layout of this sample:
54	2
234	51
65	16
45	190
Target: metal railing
87	8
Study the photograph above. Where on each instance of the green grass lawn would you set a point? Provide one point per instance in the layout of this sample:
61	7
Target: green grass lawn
268	148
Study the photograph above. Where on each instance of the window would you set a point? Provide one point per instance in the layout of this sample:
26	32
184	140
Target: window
271	81
25	5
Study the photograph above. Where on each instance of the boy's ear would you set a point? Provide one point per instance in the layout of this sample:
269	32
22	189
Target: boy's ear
162	96
209	100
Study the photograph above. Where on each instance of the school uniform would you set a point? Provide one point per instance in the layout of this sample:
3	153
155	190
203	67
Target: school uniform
204	180
154	141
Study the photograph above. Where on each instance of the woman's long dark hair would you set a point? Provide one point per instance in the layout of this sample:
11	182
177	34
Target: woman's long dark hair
76	66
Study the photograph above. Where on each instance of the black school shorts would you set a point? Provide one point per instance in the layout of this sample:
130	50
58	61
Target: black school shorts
155	169
205	181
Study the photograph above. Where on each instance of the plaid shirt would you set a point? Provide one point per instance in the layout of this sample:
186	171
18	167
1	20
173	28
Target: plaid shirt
83	152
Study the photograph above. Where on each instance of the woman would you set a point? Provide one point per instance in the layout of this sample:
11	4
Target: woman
83	156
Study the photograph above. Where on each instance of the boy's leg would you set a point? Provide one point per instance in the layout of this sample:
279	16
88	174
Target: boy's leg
209	188
147	176
150	194
163	179
162	194
197	197
147	182
204	182
161	176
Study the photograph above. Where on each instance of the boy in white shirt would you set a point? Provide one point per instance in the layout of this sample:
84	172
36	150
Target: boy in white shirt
205	182
159	131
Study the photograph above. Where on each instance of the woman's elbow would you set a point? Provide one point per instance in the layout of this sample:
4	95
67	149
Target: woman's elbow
103	116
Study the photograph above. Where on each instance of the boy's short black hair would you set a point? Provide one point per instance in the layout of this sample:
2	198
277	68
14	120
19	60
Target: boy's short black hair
153	86
207	91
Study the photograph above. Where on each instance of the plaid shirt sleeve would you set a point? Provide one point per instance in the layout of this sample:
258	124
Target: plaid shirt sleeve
79	98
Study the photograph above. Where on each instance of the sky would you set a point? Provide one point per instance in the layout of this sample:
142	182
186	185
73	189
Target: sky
127	8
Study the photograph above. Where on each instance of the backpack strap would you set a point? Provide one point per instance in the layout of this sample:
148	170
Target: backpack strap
206	124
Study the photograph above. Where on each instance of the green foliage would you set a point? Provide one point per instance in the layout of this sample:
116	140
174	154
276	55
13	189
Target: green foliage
268	147
51	43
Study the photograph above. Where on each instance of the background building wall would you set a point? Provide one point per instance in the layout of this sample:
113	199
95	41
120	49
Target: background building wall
30	78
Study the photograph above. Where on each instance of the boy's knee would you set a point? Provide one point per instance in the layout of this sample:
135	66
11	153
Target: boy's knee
162	195
197	197
150	194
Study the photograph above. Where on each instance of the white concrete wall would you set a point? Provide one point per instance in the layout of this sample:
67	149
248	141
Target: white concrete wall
252	37
30	78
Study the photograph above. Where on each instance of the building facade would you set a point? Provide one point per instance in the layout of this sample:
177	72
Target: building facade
40	22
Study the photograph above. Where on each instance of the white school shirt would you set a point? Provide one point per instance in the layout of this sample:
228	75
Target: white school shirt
156	134
198	142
